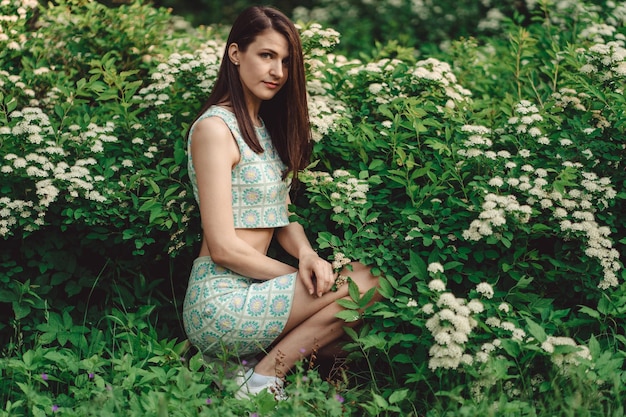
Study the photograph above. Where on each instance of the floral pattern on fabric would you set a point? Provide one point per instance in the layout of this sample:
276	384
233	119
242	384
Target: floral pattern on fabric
223	309
259	193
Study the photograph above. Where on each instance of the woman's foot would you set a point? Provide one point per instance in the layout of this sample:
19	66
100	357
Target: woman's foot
251	384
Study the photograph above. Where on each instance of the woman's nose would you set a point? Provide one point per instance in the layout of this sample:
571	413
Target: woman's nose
277	69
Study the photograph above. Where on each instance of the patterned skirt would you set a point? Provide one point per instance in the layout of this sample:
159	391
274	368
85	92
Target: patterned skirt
227	311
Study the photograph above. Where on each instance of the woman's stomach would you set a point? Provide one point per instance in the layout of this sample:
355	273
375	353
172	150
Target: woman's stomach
259	239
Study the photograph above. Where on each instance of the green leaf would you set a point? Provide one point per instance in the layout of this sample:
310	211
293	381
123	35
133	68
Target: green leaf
398	396
376	165
7	296
20	310
351	333
348	315
590	312
367	297
511	347
380	401
384	288
11	104
349	304
418	266
536	331
353	290
594	347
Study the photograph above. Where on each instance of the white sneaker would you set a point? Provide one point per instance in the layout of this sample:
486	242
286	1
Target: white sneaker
274	386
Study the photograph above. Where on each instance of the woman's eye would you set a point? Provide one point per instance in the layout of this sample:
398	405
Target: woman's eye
266	55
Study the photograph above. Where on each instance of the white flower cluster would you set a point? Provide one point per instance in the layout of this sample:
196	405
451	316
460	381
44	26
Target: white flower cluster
451	325
203	65
342	189
573	210
432	69
31	123
435	268
492	21
339	261
322	39
568	97
324	114
349	188
13	13
384	85
576	212
562	360
516	332
422	8
495	208
617	16
379	76
526	116
597	32
48	165
606	60
477	143
13	82
451	322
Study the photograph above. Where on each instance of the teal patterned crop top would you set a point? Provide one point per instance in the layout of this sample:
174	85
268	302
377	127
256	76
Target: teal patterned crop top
258	190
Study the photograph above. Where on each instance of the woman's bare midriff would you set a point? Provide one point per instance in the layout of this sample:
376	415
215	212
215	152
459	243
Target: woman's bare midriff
259	239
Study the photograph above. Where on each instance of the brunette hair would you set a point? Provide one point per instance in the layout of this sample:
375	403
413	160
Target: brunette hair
286	115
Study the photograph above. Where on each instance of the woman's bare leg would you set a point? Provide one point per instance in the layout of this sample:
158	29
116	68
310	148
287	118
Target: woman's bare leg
312	323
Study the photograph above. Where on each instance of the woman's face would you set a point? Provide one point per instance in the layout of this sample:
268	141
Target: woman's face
263	66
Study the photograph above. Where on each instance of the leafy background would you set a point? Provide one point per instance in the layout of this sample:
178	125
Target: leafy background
472	155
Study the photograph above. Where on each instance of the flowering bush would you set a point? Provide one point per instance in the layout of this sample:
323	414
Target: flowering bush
483	183
508	181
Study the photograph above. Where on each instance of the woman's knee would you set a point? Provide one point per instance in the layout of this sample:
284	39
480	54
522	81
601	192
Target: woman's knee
362	276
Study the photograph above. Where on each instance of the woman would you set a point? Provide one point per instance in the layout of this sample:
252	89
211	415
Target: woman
251	135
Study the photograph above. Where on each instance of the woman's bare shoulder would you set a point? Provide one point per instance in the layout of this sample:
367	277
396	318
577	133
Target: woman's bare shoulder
211	128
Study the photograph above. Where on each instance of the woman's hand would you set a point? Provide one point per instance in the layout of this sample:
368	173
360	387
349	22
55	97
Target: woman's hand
316	273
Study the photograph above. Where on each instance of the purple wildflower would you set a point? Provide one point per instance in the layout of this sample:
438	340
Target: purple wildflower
339	398
44	376
209	401
91	375
55	408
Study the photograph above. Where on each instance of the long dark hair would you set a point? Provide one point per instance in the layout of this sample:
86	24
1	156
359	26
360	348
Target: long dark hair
286	115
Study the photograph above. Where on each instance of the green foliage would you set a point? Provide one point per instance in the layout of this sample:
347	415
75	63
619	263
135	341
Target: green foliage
119	366
483	183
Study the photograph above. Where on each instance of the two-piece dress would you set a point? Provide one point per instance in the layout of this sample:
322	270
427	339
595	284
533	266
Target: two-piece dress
224	310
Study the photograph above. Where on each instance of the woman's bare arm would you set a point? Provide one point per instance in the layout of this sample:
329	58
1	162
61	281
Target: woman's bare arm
214	153
316	273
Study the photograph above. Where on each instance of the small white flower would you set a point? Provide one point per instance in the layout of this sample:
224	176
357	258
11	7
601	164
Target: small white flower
475	306
496	182
437	285
428	308
485	289
435	267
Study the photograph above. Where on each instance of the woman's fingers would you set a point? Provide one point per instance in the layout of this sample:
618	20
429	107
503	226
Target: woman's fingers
324	277
305	276
316	272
